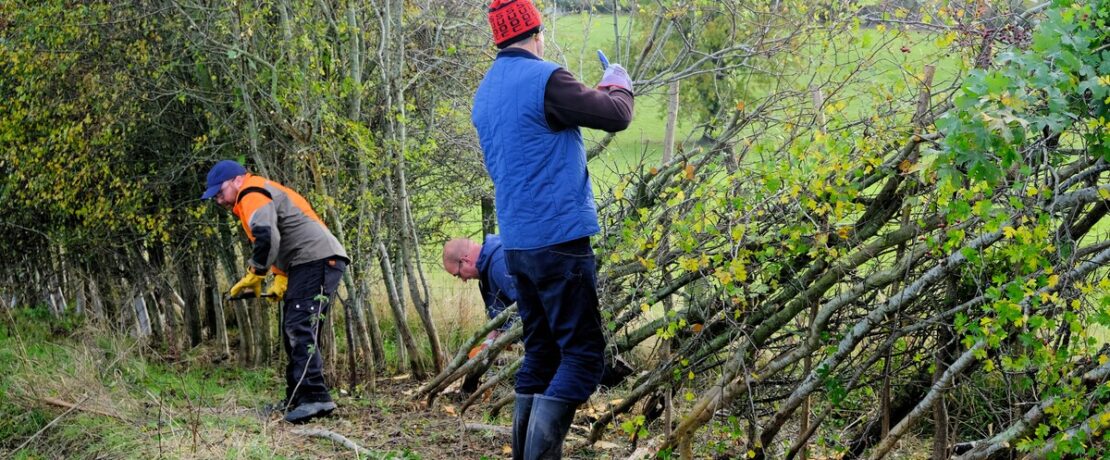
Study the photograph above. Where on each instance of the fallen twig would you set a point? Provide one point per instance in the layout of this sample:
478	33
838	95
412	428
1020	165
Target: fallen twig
71	406
333	436
502	430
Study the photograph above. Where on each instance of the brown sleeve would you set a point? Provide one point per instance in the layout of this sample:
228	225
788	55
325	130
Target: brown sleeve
567	103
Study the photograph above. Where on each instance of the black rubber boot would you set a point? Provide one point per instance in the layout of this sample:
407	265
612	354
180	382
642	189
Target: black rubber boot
522	409
547	427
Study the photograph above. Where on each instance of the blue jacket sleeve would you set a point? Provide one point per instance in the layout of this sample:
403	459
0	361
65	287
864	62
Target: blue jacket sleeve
501	290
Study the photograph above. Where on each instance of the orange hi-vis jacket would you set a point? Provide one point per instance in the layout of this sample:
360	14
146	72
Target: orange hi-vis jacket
281	225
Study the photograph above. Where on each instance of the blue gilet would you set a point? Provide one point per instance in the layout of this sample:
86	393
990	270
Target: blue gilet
541	186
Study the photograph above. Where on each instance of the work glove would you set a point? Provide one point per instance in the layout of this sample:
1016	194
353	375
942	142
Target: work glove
249	281
484	345
278	287
615	75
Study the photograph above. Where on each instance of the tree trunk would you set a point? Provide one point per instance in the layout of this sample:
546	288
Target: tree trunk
213	322
359	338
260	330
944	351
418	287
96	302
407	343
398	295
81	301
489	216
142	317
377	345
219	319
246	338
188	281
328	348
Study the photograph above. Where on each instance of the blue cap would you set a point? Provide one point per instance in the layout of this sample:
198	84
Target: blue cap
222	172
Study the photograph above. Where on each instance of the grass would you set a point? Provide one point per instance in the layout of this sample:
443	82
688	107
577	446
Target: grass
456	307
130	403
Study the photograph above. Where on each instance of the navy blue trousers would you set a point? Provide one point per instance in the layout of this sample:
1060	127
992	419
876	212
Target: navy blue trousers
564	349
311	287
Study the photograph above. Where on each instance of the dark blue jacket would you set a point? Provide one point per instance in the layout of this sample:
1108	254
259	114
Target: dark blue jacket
541	185
497	286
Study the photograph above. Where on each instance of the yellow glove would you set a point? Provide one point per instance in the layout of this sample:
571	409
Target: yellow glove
278	287
249	281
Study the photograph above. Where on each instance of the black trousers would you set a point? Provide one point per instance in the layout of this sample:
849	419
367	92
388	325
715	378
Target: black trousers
307	300
564	348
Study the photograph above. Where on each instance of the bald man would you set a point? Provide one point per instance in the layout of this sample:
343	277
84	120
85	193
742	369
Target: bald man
467	260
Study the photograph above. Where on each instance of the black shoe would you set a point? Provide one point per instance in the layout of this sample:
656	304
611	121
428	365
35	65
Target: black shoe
309	411
547	427
522	409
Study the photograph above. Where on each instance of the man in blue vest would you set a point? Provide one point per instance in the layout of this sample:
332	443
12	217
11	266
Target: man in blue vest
527	112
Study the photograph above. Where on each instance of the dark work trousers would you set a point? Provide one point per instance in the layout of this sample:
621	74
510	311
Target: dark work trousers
311	287
564	349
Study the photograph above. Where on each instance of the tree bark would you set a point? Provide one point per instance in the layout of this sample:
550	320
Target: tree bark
406	339
188	282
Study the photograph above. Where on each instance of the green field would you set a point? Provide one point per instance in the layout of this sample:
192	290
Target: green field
885	62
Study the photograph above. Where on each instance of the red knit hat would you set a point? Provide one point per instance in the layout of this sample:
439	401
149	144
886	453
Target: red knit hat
513	20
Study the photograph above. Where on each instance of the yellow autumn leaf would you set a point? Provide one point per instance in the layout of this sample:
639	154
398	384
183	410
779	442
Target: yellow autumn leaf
737	232
723	276
688	264
906	166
